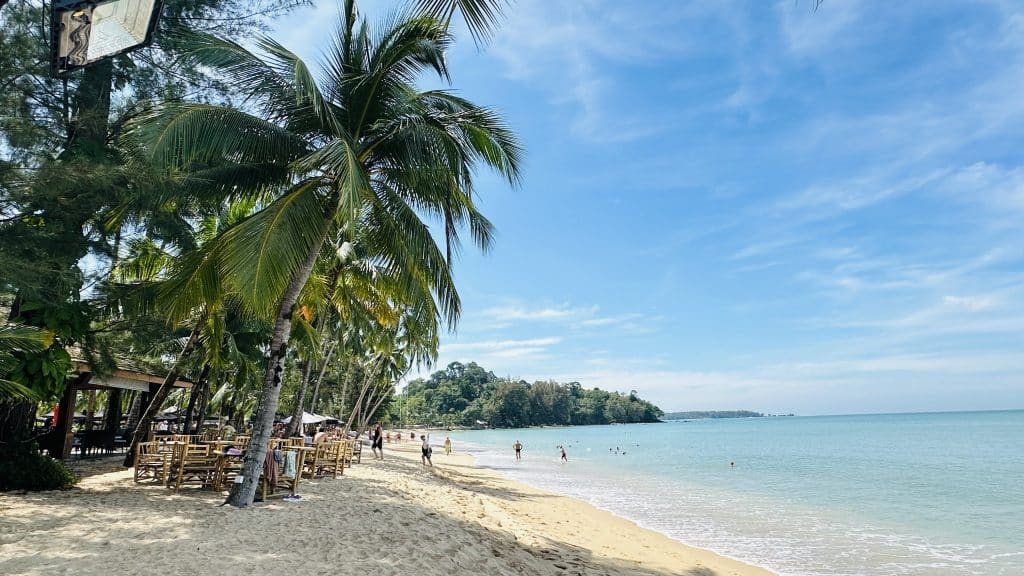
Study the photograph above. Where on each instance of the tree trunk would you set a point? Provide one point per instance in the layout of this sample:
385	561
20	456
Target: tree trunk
242	493
344	396
300	397
90	409
204	404
88	134
135	410
197	390
376	406
359	401
112	411
17	416
320	377
142	429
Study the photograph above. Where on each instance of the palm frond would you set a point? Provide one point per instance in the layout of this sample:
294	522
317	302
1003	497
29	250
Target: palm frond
482	16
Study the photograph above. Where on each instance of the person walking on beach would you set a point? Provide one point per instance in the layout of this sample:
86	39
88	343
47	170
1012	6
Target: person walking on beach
519	448
447	446
425	451
564	457
378	442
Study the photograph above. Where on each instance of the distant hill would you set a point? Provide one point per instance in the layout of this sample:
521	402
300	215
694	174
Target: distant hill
699	415
469	395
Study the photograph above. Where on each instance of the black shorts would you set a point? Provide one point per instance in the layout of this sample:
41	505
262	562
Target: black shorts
378	443
426	452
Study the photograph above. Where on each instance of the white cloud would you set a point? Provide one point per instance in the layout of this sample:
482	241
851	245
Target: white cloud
611	320
518	312
570	51
498	345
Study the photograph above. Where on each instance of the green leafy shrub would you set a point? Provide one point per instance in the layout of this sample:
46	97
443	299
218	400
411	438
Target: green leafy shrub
23	468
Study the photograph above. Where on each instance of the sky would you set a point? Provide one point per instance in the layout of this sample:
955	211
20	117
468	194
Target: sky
749	205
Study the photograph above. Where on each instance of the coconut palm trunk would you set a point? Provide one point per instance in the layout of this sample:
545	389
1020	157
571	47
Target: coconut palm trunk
142	428
295	425
323	372
243	493
198	390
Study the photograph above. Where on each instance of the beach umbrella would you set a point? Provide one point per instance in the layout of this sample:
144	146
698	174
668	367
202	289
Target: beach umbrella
307	418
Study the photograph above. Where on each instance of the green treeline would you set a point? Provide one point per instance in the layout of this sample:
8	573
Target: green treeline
698	415
469	395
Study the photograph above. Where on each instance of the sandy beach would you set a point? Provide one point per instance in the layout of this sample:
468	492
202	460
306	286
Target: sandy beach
391	517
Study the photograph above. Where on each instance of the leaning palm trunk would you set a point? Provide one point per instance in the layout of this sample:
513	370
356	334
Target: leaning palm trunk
307	371
320	378
142	428
357	407
198	389
243	493
295	425
376	405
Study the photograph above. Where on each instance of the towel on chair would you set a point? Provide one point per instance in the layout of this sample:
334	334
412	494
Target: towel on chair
289	465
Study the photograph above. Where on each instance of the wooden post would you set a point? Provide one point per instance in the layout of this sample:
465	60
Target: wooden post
65	431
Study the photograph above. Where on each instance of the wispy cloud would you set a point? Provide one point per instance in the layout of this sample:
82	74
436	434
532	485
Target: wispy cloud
574	53
519	312
498	345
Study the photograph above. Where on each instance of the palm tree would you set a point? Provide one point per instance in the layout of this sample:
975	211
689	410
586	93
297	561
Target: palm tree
360	149
17	339
481	16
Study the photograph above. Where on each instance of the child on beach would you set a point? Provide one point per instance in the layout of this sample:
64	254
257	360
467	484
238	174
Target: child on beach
425	451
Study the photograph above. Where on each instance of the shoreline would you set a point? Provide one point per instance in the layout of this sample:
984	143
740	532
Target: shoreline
744	568
390	517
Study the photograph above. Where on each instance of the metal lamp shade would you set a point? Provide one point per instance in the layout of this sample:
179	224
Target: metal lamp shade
88	31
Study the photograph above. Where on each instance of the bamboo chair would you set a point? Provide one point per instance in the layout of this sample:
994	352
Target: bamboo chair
230	467
242	441
296	441
194	464
334	463
328	459
283	482
151	463
348	452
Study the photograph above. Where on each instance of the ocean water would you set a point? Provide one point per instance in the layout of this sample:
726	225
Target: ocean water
897	494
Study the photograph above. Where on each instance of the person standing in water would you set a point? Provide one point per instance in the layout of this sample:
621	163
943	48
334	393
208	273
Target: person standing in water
564	457
447	446
519	448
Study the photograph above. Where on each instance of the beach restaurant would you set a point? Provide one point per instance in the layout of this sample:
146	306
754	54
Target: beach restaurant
61	440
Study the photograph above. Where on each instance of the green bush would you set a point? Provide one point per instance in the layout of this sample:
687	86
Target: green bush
24	468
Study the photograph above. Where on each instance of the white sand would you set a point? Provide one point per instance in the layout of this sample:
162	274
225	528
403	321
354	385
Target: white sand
391	517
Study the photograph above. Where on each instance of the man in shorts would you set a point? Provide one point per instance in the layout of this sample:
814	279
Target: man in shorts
519	448
425	451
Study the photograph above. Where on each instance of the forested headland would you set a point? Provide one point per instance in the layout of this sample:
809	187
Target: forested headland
469	395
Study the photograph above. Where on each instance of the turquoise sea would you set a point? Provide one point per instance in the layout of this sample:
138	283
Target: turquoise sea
915	494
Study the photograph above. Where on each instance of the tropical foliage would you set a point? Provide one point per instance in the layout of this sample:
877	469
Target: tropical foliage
230	215
469	395
208	211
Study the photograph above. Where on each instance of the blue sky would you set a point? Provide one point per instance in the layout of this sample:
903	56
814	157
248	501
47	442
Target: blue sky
751	204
